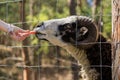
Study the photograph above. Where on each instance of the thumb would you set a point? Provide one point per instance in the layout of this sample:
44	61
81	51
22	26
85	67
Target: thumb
24	34
27	33
24	31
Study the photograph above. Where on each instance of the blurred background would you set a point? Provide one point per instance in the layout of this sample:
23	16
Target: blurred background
35	59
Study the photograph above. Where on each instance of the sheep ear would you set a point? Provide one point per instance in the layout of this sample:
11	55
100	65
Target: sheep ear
85	32
88	32
81	33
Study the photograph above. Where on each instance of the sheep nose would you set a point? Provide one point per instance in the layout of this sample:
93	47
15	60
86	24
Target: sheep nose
40	30
37	29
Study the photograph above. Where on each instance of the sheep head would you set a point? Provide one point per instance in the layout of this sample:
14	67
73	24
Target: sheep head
79	31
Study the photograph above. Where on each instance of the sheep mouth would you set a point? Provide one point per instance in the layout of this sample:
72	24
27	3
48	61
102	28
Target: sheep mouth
39	33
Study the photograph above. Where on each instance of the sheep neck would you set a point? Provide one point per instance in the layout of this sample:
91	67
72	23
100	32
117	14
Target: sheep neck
80	55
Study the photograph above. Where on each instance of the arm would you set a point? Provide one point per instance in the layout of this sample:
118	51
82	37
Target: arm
5	26
15	32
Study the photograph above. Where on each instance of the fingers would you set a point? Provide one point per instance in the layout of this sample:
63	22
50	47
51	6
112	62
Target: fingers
20	34
23	34
32	32
24	31
27	33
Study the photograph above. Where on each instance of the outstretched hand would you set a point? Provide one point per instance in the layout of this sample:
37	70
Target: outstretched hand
20	34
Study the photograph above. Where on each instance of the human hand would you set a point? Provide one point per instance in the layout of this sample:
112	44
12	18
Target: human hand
19	34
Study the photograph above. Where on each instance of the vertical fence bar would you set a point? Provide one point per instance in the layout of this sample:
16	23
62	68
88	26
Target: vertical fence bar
116	39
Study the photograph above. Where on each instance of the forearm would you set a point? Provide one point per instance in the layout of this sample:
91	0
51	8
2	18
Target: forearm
5	26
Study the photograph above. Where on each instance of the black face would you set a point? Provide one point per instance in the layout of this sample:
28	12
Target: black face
71	32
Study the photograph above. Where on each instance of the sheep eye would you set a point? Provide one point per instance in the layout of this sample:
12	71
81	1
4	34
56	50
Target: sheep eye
40	24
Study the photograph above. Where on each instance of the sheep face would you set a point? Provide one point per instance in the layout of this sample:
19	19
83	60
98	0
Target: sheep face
75	30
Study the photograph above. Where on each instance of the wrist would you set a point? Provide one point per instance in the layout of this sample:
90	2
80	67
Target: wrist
10	29
5	26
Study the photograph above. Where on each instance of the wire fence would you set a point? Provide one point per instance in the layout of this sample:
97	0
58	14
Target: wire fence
16	47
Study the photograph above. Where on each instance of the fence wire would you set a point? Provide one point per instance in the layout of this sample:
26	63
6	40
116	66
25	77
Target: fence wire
56	56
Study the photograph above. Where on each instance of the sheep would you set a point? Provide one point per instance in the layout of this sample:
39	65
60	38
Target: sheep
80	37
